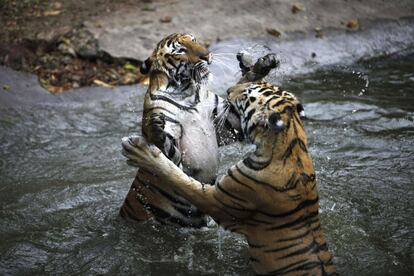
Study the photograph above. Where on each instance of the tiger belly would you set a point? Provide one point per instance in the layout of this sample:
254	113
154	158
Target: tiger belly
199	148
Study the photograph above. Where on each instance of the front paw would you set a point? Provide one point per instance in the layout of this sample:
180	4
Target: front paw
139	152
264	64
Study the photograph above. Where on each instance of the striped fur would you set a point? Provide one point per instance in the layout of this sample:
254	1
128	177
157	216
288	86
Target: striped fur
271	196
178	71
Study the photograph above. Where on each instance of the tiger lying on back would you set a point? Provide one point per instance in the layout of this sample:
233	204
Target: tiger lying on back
271	196
180	117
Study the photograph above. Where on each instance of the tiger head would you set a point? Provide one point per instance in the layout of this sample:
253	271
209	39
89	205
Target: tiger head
181	58
263	108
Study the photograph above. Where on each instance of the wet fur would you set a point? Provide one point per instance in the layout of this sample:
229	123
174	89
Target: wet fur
271	196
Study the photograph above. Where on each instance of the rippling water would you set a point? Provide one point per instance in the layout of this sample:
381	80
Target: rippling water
63	179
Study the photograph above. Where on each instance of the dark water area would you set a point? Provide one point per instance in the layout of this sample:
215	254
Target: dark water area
63	180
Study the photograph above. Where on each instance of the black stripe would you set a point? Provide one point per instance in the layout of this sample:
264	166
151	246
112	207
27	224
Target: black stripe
230	194
277	189
216	99
231	175
171	152
256	165
313	247
249	115
282	270
170	62
282	101
306	223
297	221
160	215
171	101
274	97
306	266
171	198
127	211
169	119
273	250
232	207
289	149
156	108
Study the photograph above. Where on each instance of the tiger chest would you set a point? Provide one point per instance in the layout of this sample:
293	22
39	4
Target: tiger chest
199	149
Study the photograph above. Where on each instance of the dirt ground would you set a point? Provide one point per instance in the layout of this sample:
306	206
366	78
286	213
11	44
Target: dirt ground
72	43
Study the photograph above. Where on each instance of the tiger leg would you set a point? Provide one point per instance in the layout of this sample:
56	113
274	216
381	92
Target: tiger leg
204	197
133	207
160	133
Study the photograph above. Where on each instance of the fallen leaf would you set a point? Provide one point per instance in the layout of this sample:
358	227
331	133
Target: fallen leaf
55	89
273	32
130	67
44	83
148	8
6	87
51	13
297	8
166	19
353	24
101	83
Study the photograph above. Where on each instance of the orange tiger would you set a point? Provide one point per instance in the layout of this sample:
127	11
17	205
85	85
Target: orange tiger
271	196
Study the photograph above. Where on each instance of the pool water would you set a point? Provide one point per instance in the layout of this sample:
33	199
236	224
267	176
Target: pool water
63	180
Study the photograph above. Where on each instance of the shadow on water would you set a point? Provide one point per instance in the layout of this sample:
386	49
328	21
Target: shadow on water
63	179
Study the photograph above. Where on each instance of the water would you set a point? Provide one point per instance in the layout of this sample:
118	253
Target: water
63	180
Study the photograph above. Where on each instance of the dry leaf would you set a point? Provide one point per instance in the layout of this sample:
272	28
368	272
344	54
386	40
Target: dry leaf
6	87
273	32
51	13
166	19
55	89
353	24
101	83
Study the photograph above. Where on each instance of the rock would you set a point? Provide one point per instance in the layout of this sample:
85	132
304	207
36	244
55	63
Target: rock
297	8
84	43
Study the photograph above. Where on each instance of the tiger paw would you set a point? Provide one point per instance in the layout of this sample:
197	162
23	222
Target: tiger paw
139	152
264	64
260	69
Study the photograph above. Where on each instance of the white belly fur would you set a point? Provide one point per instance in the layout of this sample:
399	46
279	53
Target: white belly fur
199	147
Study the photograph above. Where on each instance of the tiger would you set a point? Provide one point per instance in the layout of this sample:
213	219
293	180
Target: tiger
270	196
187	122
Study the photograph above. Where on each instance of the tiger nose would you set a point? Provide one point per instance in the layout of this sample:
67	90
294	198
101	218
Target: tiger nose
208	58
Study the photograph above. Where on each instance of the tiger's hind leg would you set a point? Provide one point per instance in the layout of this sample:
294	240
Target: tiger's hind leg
133	207
256	72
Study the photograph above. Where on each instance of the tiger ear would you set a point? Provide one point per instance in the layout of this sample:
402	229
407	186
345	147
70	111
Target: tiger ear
146	66
301	111
276	123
